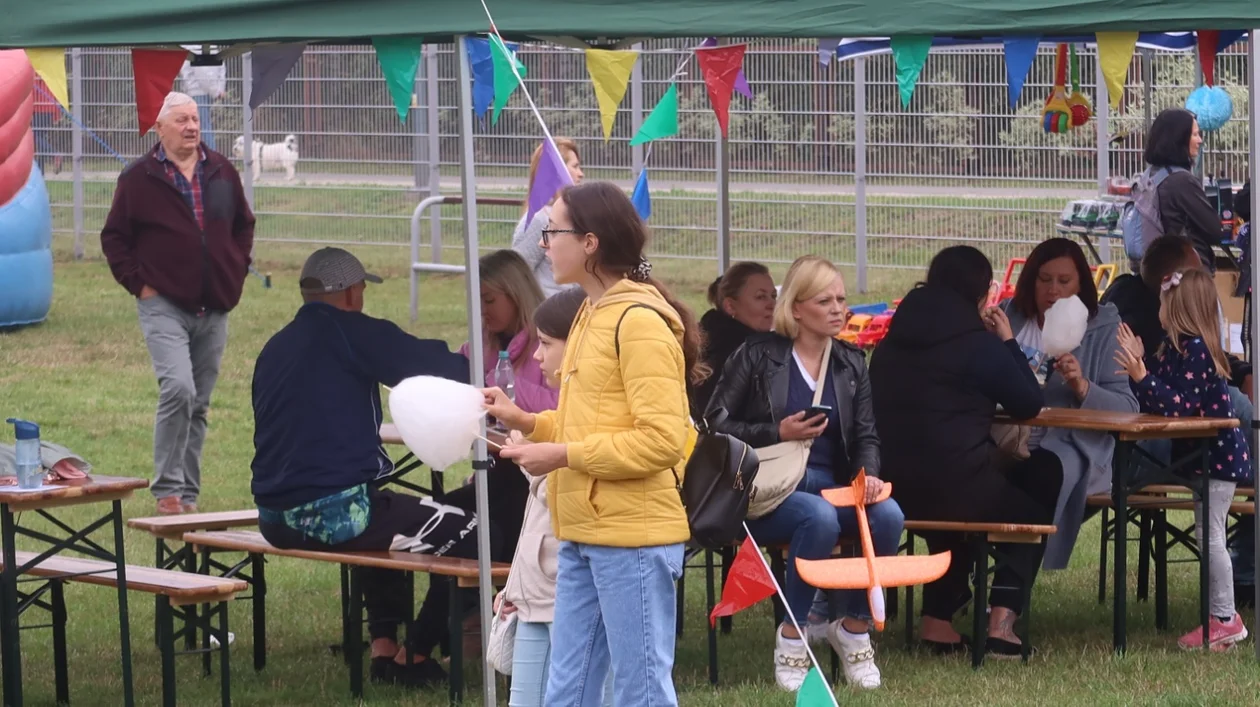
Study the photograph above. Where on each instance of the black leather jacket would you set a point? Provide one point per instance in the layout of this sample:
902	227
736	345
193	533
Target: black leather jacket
753	391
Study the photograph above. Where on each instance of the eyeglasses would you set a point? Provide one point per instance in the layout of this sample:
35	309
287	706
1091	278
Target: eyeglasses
546	234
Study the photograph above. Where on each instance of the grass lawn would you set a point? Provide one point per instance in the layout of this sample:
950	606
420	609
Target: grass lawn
85	376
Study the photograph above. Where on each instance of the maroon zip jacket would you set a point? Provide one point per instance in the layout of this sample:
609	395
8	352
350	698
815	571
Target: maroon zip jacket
151	236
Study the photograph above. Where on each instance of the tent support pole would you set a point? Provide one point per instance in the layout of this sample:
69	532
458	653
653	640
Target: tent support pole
468	183
723	154
76	145
636	110
859	168
247	126
1148	90
434	135
1253	169
1102	114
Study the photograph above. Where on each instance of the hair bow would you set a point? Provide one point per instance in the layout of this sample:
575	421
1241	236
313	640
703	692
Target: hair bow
1170	282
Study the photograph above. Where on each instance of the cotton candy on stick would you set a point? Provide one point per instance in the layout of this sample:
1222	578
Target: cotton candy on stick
1065	325
438	419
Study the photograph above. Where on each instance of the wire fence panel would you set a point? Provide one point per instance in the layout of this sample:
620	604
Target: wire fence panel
956	165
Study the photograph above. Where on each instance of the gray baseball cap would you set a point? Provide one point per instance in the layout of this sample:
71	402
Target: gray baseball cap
333	270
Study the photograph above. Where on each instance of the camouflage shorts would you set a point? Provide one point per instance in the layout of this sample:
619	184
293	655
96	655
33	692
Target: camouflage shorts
331	520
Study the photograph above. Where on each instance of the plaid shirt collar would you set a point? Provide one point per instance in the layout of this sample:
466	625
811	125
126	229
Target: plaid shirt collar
190	190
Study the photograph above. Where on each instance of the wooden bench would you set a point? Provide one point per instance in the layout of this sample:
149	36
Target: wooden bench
459	572
986	558
175	591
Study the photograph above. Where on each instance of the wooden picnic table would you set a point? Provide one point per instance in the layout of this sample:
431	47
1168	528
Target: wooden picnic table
111	490
1128	429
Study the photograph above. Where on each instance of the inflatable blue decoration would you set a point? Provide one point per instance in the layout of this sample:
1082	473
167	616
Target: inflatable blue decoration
1212	105
26	266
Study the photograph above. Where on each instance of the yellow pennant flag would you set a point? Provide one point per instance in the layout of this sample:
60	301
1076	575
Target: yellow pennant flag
50	64
1115	51
610	72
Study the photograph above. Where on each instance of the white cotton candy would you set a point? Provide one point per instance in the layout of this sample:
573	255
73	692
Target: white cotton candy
1065	325
438	419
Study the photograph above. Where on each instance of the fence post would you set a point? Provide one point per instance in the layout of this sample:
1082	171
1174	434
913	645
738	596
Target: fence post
247	126
76	145
419	129
1102	116
636	109
434	132
859	167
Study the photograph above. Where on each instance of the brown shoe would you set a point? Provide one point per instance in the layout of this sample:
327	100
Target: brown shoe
190	508
169	506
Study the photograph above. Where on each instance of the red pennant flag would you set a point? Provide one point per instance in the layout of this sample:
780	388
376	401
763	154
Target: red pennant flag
1208	40
748	582
721	67
155	71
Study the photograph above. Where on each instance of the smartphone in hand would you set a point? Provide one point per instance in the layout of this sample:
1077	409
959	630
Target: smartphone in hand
816	410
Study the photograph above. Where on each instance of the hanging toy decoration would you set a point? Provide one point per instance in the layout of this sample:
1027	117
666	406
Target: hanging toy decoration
1056	115
1078	104
1212	106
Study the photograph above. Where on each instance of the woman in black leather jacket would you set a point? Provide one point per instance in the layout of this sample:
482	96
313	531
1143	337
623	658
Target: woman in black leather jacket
765	389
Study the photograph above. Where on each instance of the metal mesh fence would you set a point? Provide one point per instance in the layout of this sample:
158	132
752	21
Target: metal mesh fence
957	165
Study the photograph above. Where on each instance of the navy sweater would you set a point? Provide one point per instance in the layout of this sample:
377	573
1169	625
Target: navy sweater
317	401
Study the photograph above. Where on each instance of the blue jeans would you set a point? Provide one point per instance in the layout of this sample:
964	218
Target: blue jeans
531	659
204	104
614	605
811	526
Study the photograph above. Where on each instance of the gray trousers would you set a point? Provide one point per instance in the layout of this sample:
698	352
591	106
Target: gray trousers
186	350
1220	569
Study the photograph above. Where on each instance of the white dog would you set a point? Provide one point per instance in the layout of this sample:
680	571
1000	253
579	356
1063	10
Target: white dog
276	156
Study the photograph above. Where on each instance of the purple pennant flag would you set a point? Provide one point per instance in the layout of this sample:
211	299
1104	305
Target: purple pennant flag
741	82
271	66
552	176
826	50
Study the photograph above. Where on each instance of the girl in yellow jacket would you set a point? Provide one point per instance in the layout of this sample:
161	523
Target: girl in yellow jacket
614	450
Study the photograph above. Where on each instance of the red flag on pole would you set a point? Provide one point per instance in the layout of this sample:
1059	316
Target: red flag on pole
1208	40
747	583
155	71
721	66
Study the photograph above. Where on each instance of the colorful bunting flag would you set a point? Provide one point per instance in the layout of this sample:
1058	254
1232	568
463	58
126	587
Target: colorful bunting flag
271	65
482	65
910	53
505	81
826	50
610	73
814	691
50	64
1115	51
155	71
747	583
720	66
551	177
399	58
1208	41
662	122
1020	53
642	198
741	82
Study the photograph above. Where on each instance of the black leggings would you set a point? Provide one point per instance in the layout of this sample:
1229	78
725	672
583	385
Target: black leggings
1027	493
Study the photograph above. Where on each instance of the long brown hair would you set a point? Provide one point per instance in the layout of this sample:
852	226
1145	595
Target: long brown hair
507	272
1189	307
603	209
1053	249
564	146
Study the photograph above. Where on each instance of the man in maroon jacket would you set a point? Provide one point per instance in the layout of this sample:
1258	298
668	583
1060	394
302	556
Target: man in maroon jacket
178	238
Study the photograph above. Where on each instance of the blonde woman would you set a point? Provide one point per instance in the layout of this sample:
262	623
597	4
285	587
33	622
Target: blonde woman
527	238
767	389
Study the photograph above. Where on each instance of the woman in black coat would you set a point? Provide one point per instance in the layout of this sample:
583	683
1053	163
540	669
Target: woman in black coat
936	380
1172	147
743	305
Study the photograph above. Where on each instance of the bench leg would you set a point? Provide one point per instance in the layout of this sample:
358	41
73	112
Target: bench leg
207	617
124	621
159	561
726	622
225	669
980	569
345	614
909	597
1161	569
354	644
680	597
778	566
409	620
1102	556
61	671
166	648
1144	556
710	600
258	565
189	561
456	629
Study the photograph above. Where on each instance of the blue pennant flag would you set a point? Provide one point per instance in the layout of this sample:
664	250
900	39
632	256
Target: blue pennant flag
641	199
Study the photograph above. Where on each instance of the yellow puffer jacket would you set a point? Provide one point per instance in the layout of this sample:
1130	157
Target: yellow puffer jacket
625	423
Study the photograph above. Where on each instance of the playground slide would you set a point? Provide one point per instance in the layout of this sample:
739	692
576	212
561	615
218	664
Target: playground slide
26	268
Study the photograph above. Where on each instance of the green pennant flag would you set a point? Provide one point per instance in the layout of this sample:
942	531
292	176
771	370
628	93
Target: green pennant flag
504	80
909	54
399	58
662	121
814	691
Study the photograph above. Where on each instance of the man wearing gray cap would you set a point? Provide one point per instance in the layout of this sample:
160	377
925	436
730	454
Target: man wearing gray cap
317	447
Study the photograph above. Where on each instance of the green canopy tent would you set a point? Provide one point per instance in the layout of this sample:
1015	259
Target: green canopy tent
78	23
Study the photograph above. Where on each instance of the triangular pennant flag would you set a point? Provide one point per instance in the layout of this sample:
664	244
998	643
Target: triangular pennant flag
505	82
271	65
610	73
641	197
662	122
50	64
720	66
482	65
747	582
1020	53
741	82
399	58
814	691
1115	51
826	50
551	177
1208	41
155	71
910	53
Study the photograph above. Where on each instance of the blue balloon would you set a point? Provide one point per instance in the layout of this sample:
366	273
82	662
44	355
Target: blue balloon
1212	106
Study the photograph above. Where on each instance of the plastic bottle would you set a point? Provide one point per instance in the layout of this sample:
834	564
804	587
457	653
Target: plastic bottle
505	380
30	471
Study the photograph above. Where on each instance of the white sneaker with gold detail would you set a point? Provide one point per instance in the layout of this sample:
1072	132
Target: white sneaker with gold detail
791	662
857	656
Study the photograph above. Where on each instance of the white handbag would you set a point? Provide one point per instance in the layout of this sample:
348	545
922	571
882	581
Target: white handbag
783	464
502	642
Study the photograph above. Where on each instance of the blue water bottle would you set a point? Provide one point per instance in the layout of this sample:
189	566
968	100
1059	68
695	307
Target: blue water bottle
30	471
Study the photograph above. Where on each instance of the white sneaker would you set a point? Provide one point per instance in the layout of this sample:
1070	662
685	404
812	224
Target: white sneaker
791	662
214	640
857	656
